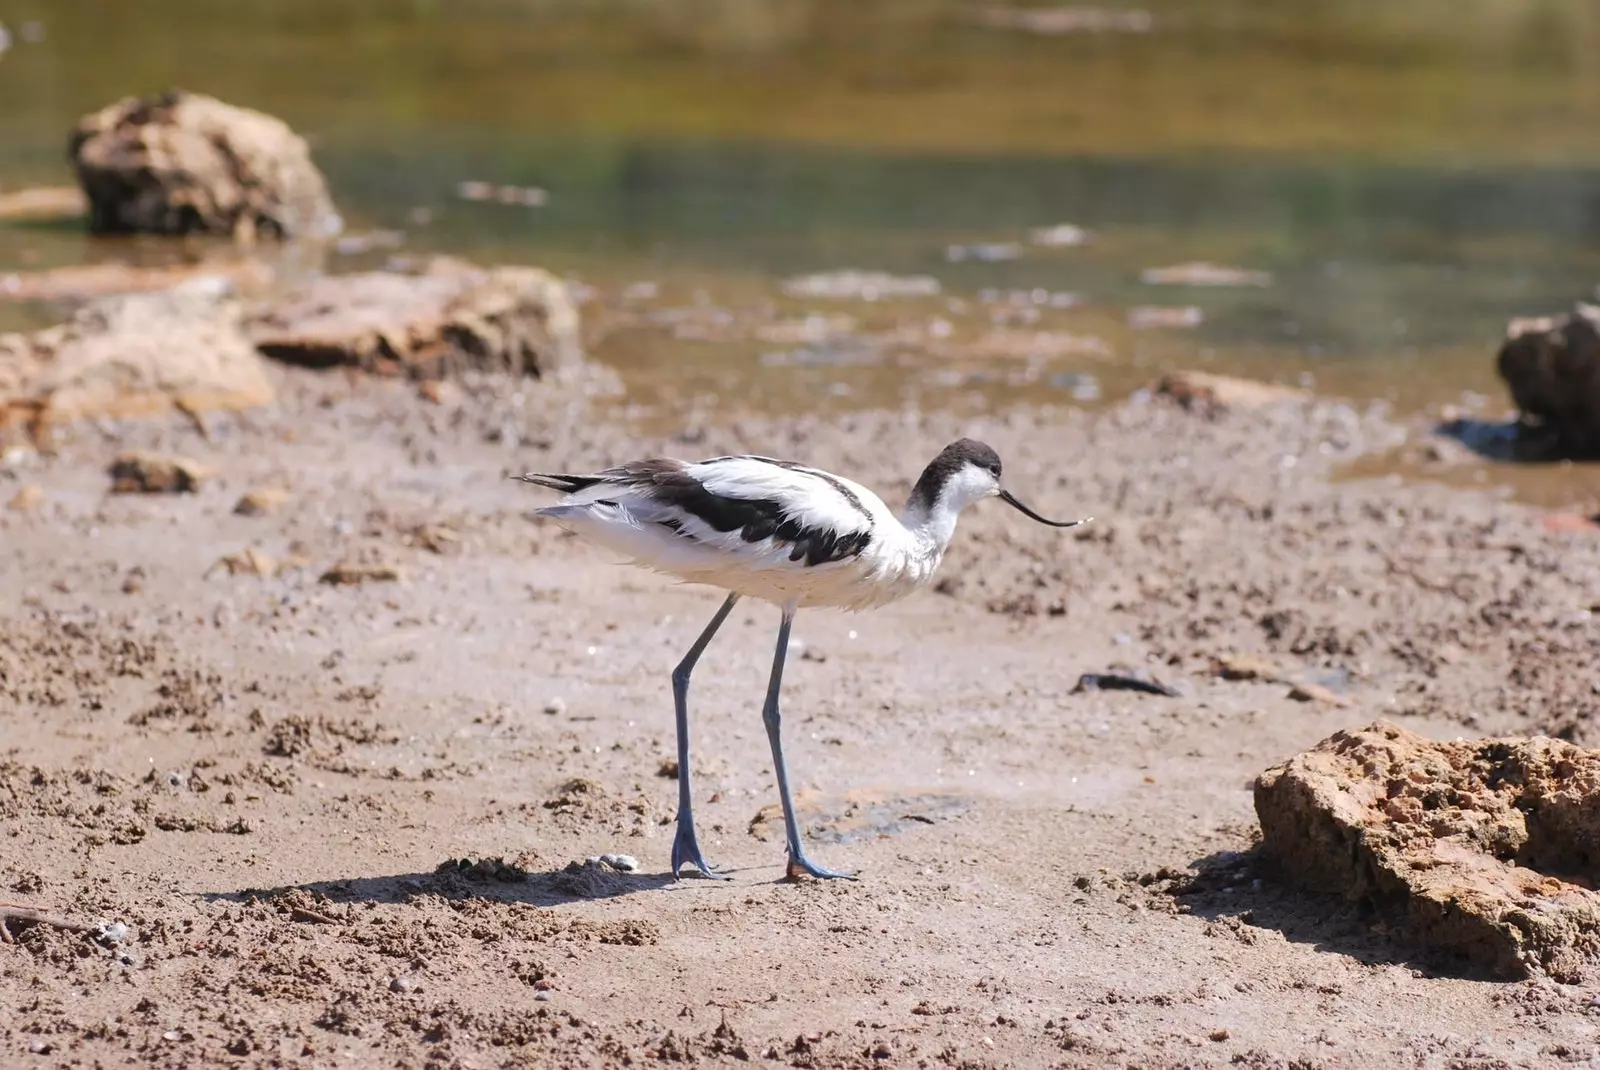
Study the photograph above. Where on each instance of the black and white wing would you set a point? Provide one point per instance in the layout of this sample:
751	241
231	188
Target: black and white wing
760	512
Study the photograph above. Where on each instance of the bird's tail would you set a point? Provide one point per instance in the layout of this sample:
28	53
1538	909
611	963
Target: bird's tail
563	483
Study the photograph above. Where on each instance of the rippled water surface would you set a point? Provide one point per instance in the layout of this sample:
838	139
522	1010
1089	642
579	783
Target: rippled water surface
1408	175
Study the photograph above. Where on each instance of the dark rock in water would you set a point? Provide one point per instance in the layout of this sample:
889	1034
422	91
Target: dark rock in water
452	317
1485	846
1551	364
184	163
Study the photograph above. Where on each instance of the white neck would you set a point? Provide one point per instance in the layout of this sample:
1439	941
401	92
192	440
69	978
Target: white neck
933	527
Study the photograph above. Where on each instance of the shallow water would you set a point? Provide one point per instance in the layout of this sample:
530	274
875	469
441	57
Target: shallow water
1409	178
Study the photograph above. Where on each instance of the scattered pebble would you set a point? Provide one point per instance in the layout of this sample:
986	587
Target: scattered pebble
620	863
247	562
555	706
1316	693
153	473
261	501
668	769
28	496
350	573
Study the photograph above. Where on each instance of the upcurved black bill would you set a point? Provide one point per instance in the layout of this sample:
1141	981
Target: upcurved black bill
1005	496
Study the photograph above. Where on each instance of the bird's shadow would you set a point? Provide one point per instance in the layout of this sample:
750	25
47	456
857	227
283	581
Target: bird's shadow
489	880
1240	892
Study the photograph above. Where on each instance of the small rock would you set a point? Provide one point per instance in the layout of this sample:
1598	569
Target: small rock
1466	840
28	496
39	1046
620	863
1549	365
1308	692
401	984
261	501
1218	1035
247	562
668	769
349	573
1246	667
555	707
111	933
185	163
153	473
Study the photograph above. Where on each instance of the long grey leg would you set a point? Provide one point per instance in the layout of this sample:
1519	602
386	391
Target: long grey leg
798	862
685	846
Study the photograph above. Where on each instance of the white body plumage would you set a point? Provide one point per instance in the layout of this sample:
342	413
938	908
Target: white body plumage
866	555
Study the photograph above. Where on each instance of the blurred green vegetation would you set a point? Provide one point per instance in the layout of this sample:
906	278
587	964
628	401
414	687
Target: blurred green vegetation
1469	80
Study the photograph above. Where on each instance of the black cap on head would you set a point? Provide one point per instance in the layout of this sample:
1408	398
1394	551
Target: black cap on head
951	460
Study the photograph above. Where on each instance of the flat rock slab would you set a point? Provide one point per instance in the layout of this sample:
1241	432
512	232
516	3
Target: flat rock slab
1489	847
132	355
185	163
450	318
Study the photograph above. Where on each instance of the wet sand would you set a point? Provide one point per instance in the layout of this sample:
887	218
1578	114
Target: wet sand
287	789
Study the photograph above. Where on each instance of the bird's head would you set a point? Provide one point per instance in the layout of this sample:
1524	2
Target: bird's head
967	471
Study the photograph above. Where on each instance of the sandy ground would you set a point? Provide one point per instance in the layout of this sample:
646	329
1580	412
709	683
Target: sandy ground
337	819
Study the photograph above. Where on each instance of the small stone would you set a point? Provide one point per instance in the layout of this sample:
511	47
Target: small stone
555	707
1246	667
153	473
401	984
542	997
247	562
1218	1035
668	769
39	1046
350	573
28	496
1316	693
621	863
261	501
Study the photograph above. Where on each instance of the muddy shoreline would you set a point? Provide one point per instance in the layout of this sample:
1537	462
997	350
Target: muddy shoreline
273	781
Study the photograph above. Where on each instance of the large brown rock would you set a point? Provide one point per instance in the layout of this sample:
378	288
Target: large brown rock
1489	847
1551	364
183	163
451	317
132	355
